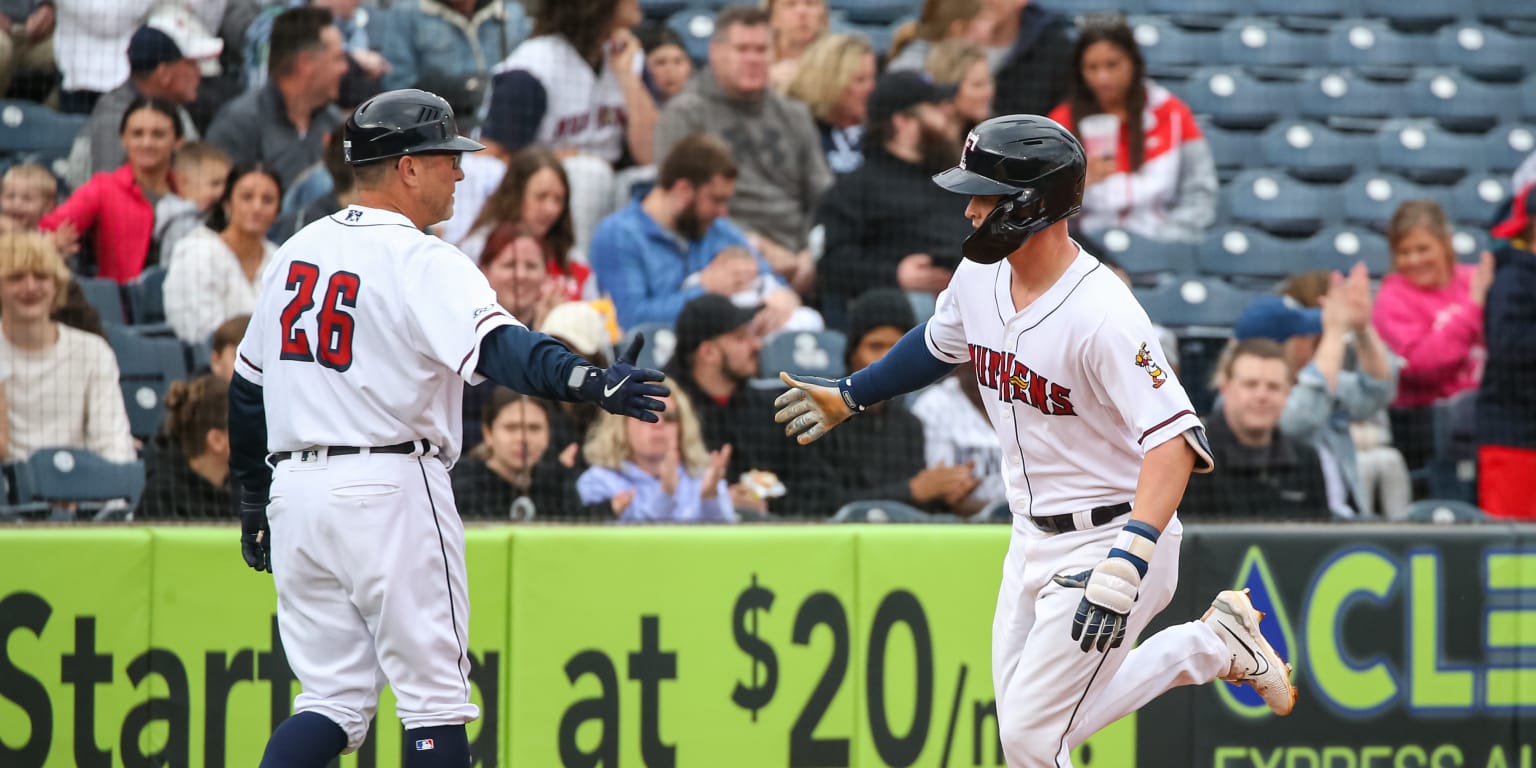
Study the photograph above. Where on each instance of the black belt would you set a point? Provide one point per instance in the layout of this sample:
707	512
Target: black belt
1066	523
407	447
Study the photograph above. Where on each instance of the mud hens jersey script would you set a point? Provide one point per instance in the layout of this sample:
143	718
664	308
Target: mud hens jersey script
583	109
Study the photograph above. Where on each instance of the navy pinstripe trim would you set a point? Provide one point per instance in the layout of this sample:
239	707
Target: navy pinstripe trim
453	615
253	366
1060	745
459	371
1164	423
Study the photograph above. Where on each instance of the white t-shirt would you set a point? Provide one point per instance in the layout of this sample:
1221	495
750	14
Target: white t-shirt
403	316
205	284
66	396
583	109
1074	384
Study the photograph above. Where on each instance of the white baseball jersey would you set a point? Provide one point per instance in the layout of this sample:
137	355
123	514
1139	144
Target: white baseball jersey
584	109
364	332
1075	384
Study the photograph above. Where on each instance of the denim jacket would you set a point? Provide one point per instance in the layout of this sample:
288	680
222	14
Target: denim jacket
433	47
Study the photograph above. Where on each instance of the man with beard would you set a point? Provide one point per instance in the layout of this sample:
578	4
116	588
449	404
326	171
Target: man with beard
886	224
676	244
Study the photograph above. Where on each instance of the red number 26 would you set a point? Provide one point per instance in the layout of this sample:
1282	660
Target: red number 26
335	324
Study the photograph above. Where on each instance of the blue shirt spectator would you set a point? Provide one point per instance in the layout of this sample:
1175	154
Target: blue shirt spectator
650	501
448	47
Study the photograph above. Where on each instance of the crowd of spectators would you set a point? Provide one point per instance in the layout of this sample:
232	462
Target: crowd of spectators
779	186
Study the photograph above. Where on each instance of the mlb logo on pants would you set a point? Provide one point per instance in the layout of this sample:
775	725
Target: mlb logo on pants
422	744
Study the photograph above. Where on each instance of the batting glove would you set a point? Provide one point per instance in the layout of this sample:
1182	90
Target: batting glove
255	536
1109	590
812	406
624	389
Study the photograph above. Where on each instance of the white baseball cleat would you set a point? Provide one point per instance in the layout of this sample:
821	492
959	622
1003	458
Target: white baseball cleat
1254	661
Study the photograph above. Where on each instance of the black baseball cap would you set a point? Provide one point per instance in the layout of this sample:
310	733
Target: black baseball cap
705	318
903	90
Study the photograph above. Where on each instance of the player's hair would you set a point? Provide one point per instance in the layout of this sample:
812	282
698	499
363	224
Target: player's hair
583	23
218	219
230	332
825	69
35	175
501	399
1110	28
295	31
737	16
1264	349
607	442
194	407
1307	288
1415	214
154	104
933	23
34	252
505	205
697	159
194	153
948	61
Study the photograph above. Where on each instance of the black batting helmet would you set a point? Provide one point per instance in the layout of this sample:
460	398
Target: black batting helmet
1037	165
404	122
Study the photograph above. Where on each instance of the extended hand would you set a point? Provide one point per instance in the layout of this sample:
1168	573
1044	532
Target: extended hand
255	535
624	389
811	408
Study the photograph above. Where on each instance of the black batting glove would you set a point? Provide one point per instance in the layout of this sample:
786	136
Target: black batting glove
625	389
255	536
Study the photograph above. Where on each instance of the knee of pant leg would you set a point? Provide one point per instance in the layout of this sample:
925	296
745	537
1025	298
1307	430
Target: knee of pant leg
1028	741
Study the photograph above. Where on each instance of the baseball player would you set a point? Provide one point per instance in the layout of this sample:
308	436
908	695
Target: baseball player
344	420
1098	441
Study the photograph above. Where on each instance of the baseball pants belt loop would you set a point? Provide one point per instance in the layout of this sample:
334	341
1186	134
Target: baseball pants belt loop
1080	521
421	447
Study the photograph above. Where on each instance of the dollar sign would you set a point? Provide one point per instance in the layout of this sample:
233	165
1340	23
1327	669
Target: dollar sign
756	696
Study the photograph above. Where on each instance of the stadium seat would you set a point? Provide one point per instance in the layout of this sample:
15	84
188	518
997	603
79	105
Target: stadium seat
146	296
1077	8
1528	98
1424	153
70	475
1144	259
1417	14
1460	103
1201	14
1508	146
1314	152
878	34
1170	50
1292	9
1484	52
1332	95
1469	242
1507	10
26	126
1199	302
1444	512
882	511
145	358
661	9
1274	202
1340	248
1477	198
1233	150
145	402
695	26
872	11
1249	257
1374	48
660	343
1234	99
804	352
106	296
1371	198
1254	42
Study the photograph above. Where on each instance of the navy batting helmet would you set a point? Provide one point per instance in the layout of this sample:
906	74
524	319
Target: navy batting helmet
1035	164
404	122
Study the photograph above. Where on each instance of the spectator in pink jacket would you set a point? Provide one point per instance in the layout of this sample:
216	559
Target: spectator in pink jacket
1430	313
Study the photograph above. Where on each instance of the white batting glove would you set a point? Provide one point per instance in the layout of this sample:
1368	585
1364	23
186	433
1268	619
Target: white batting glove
1109	590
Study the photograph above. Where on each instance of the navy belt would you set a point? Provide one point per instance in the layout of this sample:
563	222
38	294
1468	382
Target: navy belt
1068	522
407	447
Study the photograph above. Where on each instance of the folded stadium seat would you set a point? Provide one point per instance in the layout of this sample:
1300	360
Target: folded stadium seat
1422	152
1248	257
1528	98
1416	14
804	352
146	297
1507	11
146	358
873	11
1170	50
1314	152
1146	260
1460	103
1508	145
63	475
884	511
661	9
1476	199
1370	198
695	26
1445	512
1253	42
1274	202
31	127
1233	150
1340	248
1342	98
1077	8
106	296
1201	14
1188	302
1374	49
1484	52
1469	241
145	402
1231	98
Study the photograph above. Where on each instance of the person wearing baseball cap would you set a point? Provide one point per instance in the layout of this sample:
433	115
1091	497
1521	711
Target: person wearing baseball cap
886	224
1505	422
167	57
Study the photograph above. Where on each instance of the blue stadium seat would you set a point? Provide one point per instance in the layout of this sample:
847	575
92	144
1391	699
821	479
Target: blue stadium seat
695	26
1145	259
1460	103
660	343
1418	14
1290	9
1253	42
1508	146
32	127
106	296
1194	301
1371	198
1205	14
1233	150
1485	52
1340	248
1234	99
1528	98
1314	152
1374	48
873	11
878	35
145	402
1507	10
144	358
1420	151
1274	202
804	352
661	9
1329	95
1249	257
1469	242
146	296
881	511
73	475
1477	198
1086	7
1170	50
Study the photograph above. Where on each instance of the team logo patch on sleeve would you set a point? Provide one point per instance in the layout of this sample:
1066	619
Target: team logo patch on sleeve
1144	360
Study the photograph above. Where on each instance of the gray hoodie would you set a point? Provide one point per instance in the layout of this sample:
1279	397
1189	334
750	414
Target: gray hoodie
781	169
